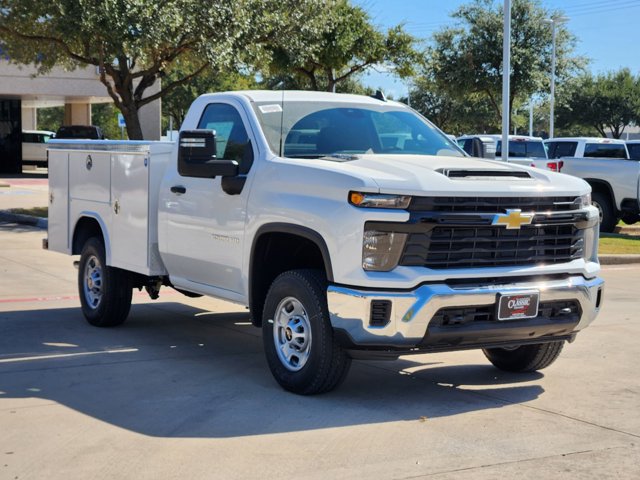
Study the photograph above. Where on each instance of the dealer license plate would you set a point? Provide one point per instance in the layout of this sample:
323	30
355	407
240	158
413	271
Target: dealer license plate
515	306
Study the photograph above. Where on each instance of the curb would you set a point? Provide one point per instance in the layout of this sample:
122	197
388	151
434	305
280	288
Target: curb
38	222
618	259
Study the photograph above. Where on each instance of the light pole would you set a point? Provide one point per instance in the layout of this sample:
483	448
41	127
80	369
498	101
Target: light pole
506	70
554	21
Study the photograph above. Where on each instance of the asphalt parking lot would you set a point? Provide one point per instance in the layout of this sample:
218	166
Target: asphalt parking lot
182	391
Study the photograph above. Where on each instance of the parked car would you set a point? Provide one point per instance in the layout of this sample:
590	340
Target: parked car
80	132
523	150
34	147
586	147
605	164
633	147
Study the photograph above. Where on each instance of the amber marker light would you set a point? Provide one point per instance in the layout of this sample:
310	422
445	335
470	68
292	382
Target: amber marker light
379	200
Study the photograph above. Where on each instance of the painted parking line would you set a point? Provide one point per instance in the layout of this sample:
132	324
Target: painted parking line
39	299
65	355
59	298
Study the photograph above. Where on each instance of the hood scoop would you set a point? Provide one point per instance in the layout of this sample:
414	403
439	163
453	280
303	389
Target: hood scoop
482	174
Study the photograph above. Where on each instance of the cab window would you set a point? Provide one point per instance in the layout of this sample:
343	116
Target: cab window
605	150
562	149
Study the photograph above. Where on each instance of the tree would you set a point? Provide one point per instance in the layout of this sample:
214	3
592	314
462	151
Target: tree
467	59
134	43
177	103
472	114
607	103
347	45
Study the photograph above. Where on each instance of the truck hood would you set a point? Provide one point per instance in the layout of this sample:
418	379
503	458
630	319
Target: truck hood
417	174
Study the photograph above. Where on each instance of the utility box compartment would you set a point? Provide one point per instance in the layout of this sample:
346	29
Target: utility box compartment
115	184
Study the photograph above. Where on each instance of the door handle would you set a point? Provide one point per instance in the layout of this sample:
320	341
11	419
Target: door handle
178	189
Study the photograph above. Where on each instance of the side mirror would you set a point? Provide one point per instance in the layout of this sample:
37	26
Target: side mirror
197	156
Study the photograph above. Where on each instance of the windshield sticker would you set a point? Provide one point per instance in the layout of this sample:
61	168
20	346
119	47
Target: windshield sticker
275	108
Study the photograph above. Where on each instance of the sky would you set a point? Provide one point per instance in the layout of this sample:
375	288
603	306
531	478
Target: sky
608	31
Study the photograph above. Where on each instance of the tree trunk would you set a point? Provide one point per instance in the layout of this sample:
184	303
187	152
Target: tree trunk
132	120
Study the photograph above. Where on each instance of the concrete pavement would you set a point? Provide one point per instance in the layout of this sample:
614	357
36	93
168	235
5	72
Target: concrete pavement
182	391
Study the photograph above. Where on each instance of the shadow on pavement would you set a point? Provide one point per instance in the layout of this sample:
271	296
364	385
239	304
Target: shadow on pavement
176	371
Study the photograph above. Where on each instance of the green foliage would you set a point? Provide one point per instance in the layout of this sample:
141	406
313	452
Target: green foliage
472	114
347	44
467	59
177	103
136	42
105	115
50	118
606	103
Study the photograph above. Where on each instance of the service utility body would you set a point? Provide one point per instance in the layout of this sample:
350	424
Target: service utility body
350	226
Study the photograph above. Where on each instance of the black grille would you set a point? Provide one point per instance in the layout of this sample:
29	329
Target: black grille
455	316
492	246
492	205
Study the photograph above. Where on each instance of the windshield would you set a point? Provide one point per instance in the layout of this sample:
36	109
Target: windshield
325	129
523	149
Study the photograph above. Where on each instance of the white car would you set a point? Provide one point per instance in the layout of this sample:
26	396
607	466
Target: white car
586	147
34	147
523	150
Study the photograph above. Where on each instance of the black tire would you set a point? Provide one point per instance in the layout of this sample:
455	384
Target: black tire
322	364
526	358
608	218
106	300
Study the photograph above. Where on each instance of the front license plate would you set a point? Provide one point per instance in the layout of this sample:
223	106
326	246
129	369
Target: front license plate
515	306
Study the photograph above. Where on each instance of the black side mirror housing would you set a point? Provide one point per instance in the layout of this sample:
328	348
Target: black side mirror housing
197	156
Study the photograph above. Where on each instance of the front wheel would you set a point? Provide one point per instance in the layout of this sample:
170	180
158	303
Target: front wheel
105	292
525	358
301	351
608	218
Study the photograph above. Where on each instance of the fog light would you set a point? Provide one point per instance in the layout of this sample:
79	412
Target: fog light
381	250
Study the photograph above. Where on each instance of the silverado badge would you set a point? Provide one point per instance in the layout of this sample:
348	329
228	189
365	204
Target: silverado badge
513	219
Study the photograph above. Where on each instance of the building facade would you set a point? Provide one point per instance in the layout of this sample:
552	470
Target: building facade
22	92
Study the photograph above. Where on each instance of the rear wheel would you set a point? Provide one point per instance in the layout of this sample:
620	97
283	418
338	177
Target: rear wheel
526	358
608	218
105	292
301	351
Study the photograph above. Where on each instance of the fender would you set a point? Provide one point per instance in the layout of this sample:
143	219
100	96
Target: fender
103	227
293	229
603	183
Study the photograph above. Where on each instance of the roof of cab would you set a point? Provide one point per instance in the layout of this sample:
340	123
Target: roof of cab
276	96
585	139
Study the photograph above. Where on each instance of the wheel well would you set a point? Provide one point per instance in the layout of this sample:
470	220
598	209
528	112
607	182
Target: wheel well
274	253
604	188
85	229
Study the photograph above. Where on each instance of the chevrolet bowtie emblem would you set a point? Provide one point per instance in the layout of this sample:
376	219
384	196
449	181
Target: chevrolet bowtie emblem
513	219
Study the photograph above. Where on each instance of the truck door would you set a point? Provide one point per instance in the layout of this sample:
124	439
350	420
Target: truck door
204	224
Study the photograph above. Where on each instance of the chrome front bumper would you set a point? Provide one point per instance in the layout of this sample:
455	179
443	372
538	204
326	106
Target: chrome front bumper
411	311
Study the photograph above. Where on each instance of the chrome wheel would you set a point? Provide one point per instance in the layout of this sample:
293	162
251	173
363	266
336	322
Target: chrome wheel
600	212
292	334
93	282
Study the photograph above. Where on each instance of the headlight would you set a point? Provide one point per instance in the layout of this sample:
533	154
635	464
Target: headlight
377	200
584	200
381	250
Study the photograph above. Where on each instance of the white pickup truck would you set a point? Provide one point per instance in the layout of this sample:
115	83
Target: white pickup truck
350	226
605	164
